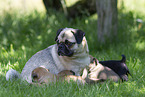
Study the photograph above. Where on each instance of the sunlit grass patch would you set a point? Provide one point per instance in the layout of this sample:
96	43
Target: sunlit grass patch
21	5
140	45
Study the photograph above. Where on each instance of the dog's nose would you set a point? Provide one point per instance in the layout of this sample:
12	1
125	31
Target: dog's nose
61	46
34	76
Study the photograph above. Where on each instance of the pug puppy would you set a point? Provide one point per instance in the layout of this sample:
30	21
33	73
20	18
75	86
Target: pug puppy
98	71
69	53
41	75
119	67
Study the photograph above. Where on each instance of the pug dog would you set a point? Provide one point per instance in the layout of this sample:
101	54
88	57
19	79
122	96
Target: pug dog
42	75
119	67
69	53
115	70
98	71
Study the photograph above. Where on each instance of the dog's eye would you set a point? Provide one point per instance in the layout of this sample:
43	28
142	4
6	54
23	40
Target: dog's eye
57	41
68	43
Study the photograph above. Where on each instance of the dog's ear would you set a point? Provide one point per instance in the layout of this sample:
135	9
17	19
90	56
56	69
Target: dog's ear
79	34
123	59
58	32
92	59
72	72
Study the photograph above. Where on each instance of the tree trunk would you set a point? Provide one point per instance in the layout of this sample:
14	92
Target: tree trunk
82	7
107	20
54	4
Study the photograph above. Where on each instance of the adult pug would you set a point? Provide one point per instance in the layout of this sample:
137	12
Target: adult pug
70	53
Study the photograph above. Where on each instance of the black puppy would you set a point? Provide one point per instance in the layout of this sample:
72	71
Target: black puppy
118	66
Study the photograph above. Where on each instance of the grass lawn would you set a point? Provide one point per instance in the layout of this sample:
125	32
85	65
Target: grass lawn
22	34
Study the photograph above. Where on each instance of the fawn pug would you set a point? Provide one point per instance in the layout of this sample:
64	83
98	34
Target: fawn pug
69	53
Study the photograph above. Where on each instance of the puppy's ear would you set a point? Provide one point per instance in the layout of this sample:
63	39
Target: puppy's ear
92	59
79	34
123	59
58	32
72	72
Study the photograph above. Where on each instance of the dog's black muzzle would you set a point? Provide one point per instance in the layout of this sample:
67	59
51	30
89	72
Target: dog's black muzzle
63	50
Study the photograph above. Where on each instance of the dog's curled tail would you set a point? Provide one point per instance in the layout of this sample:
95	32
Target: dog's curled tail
12	75
123	60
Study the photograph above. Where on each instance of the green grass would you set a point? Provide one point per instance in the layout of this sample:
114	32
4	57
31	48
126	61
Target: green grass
23	34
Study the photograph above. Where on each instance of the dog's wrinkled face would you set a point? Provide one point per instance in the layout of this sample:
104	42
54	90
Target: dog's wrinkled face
68	40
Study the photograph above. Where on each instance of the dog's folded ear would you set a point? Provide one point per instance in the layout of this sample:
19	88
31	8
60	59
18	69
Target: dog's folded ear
58	32
123	58
79	34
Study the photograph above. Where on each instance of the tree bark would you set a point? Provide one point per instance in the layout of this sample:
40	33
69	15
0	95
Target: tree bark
82	7
107	20
54	4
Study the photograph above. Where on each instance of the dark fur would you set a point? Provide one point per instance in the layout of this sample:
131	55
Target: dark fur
58	32
64	50
118	66
79	34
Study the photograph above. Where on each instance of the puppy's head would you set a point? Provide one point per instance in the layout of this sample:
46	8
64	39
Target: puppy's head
70	41
42	75
93	62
